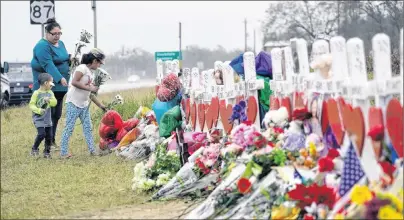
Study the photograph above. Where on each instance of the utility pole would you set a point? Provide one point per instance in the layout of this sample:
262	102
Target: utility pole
245	35
180	49
95	22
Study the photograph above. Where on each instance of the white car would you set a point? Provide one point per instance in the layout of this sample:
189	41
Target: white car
5	86
133	78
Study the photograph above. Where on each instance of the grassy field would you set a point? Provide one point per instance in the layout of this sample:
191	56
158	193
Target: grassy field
35	188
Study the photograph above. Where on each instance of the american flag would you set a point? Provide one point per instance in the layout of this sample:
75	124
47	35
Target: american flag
352	171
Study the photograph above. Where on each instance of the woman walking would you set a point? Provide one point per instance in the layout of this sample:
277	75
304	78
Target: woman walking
50	56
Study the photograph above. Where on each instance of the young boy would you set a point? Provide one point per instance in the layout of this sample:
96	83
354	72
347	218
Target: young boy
41	101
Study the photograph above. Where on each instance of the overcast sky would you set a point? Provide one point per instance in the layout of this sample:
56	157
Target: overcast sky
150	25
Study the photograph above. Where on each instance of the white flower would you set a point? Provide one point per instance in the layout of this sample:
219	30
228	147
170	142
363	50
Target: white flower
163	179
172	153
139	171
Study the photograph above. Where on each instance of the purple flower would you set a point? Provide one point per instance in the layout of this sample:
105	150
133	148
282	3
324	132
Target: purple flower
237	108
242	104
243	117
373	206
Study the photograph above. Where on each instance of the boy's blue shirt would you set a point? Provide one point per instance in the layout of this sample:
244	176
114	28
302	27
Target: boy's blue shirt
48	58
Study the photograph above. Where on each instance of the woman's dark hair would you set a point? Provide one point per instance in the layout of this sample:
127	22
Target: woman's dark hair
50	24
43	78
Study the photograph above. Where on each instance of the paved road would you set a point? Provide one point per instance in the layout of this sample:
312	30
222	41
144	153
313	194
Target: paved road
113	86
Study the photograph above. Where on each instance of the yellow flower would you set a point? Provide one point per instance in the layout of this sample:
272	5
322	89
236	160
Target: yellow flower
339	217
360	195
312	149
398	203
388	212
283	212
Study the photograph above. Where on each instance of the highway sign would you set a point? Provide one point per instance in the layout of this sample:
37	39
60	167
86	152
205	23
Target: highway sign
171	55
41	11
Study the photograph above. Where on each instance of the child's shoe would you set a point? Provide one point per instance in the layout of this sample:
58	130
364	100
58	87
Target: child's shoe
34	153
47	156
67	156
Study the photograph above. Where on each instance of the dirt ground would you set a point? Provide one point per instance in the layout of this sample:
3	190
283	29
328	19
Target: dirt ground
157	210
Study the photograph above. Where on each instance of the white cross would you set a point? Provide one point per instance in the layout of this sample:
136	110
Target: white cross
276	83
252	83
360	93
169	66
160	71
186	80
175	66
339	64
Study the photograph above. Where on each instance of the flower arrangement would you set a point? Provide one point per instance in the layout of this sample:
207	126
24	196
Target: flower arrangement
159	169
206	162
101	76
118	100
374	203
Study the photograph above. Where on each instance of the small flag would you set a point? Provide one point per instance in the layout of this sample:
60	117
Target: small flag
297	175
352	171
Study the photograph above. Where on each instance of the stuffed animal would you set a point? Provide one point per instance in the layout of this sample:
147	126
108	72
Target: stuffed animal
276	118
323	64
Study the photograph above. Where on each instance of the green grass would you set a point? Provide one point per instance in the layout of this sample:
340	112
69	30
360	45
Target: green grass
35	188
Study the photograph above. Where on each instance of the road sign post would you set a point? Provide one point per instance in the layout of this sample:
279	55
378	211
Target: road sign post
169	55
41	11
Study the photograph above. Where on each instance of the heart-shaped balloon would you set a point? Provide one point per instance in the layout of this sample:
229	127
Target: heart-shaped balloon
212	113
298	101
225	114
285	102
394	122
274	103
335	120
354	125
375	118
187	110
201	115
324	118
252	109
193	116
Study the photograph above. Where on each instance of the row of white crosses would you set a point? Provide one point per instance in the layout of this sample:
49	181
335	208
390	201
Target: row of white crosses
203	87
166	67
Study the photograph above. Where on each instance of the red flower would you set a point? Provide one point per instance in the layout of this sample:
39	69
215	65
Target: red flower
388	169
278	130
271	144
201	166
333	153
248	123
323	195
376	132
308	217
325	164
244	185
314	193
301	194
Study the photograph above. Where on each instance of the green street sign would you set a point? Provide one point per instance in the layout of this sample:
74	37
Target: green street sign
170	55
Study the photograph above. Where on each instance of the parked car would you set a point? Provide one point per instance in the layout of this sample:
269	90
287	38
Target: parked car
5	86
133	78
21	84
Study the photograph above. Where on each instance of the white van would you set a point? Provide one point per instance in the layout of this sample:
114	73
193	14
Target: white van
5	86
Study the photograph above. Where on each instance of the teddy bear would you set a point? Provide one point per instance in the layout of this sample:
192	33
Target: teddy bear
323	65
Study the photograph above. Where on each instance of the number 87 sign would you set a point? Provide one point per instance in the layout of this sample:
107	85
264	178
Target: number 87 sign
41	11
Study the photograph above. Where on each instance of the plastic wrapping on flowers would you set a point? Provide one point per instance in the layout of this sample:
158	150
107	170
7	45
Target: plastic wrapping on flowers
159	169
